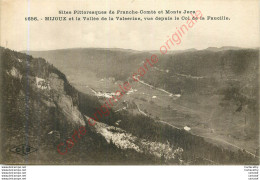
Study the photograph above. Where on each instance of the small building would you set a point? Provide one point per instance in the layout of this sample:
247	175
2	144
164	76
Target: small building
187	128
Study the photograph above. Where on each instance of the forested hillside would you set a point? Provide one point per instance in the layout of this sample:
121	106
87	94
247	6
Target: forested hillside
45	114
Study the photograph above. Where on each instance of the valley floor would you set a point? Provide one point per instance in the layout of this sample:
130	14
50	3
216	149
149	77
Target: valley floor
201	118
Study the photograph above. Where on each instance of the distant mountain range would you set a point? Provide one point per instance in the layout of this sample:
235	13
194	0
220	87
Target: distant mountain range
219	63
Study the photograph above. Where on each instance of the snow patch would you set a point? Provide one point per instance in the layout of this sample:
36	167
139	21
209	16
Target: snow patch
125	140
120	138
42	84
118	122
15	73
187	128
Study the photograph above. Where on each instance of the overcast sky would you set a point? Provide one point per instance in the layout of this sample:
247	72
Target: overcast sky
242	30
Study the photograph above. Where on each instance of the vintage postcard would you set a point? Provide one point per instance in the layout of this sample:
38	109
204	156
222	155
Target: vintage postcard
129	82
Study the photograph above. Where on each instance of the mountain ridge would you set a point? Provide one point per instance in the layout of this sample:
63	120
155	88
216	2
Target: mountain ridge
125	49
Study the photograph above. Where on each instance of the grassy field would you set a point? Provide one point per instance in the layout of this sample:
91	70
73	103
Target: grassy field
202	113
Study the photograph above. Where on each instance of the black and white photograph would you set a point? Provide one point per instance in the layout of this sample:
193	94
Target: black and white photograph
129	82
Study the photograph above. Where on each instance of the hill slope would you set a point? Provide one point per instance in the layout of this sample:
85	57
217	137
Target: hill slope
42	109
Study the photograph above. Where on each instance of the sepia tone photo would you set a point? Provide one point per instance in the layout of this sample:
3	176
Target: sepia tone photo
129	82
